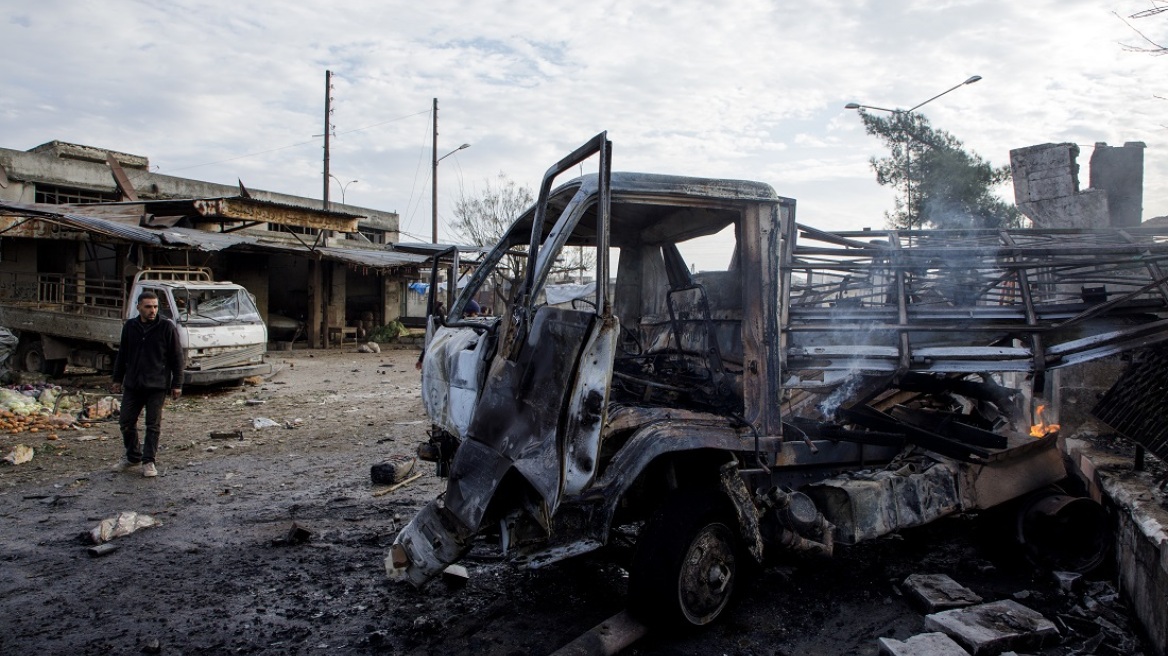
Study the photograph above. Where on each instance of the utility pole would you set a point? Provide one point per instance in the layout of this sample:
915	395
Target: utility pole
434	177
328	110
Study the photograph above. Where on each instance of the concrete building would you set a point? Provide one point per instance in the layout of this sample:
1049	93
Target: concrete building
333	271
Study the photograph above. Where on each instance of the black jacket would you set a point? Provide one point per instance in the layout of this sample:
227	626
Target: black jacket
150	355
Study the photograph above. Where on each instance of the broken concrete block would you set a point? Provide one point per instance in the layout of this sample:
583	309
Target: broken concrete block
925	644
937	592
994	627
393	470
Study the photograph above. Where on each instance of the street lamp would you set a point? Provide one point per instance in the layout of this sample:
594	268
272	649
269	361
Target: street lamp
908	148
434	183
342	185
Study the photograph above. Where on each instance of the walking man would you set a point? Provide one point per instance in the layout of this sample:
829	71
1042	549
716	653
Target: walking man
148	365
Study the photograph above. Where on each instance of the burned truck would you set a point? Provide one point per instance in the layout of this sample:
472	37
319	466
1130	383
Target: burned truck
821	389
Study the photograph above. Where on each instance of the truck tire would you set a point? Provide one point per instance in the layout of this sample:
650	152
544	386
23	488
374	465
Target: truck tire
31	357
686	562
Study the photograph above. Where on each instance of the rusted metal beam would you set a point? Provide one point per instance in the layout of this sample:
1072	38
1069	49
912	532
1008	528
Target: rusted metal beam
246	209
123	181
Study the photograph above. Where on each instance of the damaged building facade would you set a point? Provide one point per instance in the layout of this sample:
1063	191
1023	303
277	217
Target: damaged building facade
319	275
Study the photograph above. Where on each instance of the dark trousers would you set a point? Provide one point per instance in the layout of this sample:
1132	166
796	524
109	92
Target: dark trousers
133	401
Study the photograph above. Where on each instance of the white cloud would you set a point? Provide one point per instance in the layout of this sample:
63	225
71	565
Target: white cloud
749	90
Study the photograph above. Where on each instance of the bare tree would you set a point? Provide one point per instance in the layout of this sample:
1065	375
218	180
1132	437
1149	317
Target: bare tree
1150	45
482	218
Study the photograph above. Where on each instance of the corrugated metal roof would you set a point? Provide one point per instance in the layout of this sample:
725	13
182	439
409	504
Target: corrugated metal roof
213	241
104	227
377	259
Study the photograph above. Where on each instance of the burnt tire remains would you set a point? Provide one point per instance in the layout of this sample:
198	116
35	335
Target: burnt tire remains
686	563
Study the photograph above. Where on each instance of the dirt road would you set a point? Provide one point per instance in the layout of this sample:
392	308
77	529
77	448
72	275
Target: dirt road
219	577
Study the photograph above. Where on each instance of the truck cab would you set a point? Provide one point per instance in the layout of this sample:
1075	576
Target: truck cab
816	389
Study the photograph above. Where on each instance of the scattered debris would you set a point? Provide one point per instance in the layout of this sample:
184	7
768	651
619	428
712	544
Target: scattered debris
395	486
105	407
294	423
20	454
124	524
255	402
228	435
260	423
152	646
297	534
393	470
102	549
253	380
937	592
609	637
994	627
369	347
924	644
455	576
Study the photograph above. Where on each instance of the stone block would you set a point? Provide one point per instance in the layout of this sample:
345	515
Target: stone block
994	627
925	644
937	592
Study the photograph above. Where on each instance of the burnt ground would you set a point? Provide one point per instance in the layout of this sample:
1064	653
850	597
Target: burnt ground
218	576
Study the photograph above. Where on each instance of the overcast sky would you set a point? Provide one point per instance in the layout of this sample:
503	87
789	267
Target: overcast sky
219	90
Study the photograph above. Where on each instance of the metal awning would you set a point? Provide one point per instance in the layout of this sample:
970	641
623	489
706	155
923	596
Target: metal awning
29	221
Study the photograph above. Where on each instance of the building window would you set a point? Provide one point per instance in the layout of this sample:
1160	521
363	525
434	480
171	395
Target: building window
61	195
279	227
373	236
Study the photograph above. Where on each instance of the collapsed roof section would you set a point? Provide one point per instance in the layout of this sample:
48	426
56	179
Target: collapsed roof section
172	224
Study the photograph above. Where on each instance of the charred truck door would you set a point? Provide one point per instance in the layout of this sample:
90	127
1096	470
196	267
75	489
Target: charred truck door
520	399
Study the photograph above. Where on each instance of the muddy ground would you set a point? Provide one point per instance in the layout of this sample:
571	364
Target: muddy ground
218	576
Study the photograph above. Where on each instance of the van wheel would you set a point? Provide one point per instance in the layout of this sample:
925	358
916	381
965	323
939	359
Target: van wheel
686	563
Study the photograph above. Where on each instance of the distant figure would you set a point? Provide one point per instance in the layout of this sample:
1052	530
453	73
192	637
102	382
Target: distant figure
472	309
148	364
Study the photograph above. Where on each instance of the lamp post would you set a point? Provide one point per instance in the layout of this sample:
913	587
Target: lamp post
342	185
908	146
434	183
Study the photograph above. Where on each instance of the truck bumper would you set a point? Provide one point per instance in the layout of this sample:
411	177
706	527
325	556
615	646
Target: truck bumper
226	374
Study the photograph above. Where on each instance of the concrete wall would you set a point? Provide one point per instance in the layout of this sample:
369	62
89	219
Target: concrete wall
22	170
1119	172
1141	526
1046	188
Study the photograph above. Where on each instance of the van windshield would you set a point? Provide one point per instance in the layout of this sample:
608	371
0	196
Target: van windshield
208	305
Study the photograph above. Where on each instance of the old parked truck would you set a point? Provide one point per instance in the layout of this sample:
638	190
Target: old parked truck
74	320
820	389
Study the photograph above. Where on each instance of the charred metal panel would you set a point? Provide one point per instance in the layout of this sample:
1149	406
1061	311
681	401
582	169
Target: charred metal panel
1028	464
588	407
1138	402
452	371
866	505
433	539
519	413
744	509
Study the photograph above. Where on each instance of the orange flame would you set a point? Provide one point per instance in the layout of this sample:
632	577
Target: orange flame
1042	429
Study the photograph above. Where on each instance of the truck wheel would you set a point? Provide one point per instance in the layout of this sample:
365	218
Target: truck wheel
31	357
686	563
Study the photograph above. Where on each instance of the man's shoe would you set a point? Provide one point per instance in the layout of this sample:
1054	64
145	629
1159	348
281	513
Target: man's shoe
125	465
149	470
